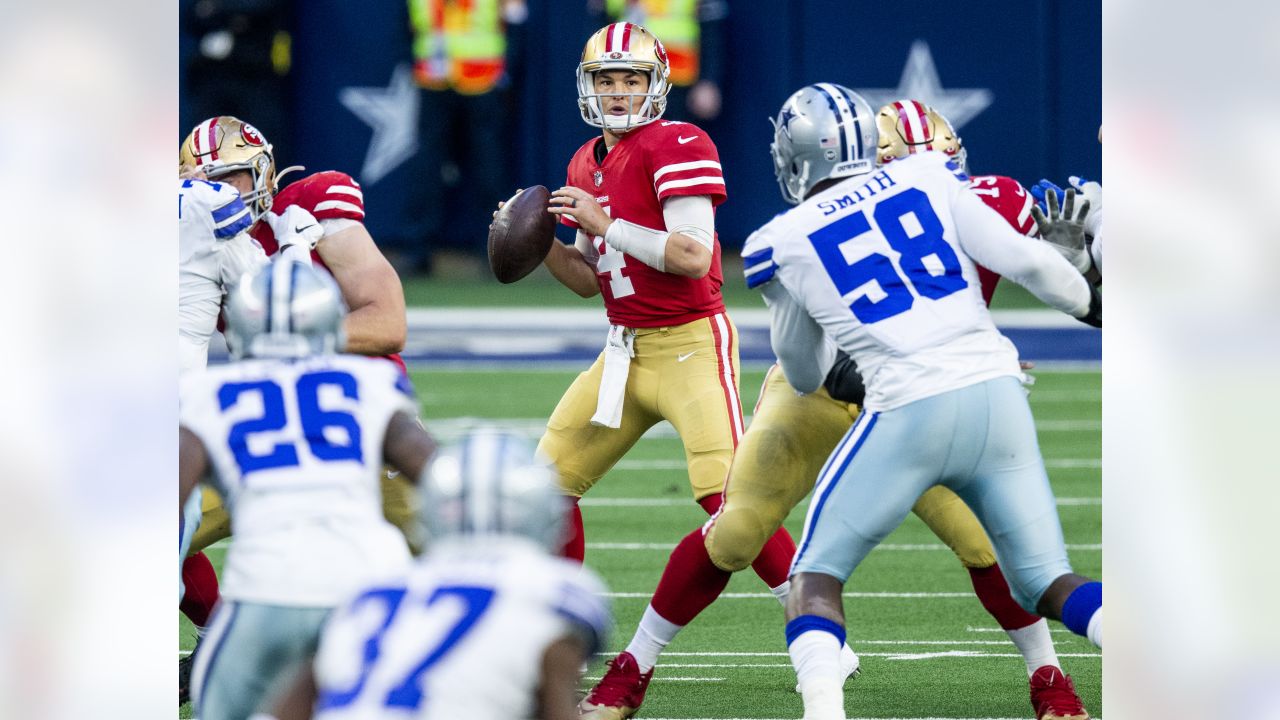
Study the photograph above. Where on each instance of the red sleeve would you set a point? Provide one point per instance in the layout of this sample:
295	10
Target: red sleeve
685	162
1007	197
331	194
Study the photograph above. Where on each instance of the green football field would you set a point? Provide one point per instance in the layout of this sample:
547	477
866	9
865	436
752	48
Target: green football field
928	648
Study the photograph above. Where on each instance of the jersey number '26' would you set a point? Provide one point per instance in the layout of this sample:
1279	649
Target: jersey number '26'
315	421
883	289
407	693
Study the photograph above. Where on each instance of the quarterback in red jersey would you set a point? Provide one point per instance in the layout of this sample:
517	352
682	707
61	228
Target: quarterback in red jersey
642	197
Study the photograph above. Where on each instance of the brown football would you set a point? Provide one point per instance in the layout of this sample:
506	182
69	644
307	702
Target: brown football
521	235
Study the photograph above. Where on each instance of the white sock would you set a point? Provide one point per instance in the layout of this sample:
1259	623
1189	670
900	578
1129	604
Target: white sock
1036	646
782	591
1095	628
816	657
654	633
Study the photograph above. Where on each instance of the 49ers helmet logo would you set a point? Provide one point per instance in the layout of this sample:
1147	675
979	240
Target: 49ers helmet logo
660	51
251	135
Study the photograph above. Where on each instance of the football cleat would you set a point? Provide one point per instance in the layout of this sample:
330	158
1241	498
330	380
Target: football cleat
850	663
619	693
1053	696
184	675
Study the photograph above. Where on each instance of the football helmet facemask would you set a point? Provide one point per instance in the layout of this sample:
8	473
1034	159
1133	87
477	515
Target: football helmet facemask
909	126
223	145
823	131
623	46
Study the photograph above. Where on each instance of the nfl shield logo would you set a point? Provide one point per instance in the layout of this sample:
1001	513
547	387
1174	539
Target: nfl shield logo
599	178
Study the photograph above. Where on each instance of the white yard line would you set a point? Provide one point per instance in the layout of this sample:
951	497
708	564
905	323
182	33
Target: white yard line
770	596
932	547
677	464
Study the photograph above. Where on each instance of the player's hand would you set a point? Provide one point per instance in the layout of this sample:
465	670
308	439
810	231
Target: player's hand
582	207
1065	230
295	226
1042	188
1092	191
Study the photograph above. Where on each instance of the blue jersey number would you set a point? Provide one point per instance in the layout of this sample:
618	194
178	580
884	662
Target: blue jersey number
895	296
315	421
407	694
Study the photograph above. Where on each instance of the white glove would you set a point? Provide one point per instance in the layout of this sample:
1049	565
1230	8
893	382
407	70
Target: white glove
295	226
1065	230
1092	191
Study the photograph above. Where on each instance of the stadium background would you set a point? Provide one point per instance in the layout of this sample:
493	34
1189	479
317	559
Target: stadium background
1039	63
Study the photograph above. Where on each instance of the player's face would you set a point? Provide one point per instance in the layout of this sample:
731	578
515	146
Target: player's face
622	82
241	180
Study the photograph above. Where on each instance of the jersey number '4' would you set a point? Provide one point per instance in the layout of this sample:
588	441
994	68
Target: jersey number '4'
882	288
315	421
407	694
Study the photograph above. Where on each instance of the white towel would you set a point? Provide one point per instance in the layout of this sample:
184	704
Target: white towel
618	352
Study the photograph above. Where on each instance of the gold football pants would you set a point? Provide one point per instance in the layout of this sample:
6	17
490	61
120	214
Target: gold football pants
399	506
686	375
778	462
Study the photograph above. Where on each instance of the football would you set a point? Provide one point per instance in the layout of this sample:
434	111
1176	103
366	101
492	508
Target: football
521	234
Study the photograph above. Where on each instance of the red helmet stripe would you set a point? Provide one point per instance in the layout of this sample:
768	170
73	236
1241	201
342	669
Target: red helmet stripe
922	112
213	139
195	145
905	119
626	38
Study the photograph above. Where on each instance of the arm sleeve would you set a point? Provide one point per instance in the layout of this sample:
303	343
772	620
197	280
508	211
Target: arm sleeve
588	249
988	239
797	340
691	215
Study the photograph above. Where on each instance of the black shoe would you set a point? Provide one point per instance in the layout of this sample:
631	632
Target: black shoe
184	675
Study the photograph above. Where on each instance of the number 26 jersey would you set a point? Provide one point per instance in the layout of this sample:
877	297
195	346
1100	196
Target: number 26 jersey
295	449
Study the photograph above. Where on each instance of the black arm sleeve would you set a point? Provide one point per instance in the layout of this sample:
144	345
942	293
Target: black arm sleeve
843	382
1094	317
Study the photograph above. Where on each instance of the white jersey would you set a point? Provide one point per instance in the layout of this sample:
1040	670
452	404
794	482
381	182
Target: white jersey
461	636
881	264
214	250
296	451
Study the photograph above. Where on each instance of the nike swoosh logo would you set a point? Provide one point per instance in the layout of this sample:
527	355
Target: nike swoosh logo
298	230
683	140
686	356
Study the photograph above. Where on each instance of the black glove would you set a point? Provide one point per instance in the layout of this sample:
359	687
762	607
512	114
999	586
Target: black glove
843	382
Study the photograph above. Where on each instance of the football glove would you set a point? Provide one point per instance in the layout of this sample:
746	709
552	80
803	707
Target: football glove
1065	230
1042	188
1092	191
295	226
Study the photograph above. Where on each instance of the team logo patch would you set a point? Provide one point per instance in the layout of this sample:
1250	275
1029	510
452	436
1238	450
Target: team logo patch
615	56
598	177
660	51
251	135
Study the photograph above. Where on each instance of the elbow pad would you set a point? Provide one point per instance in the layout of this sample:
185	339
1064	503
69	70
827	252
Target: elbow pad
844	382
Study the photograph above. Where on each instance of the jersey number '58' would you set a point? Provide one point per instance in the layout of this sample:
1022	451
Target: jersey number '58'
881	287
315	421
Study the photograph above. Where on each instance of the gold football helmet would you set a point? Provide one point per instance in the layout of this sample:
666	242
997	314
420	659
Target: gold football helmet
623	46
225	144
909	126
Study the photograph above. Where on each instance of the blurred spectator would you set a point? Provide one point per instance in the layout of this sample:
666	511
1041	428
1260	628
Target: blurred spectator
693	33
235	55
464	54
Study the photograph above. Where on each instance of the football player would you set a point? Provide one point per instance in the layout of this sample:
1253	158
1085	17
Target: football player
879	262
642	198
487	600
791	435
294	437
231	151
1085	253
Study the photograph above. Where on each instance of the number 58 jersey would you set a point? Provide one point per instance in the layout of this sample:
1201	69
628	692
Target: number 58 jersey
877	261
296	451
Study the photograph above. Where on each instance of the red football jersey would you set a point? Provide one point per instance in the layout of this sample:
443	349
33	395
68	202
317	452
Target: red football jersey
1007	197
326	195
648	165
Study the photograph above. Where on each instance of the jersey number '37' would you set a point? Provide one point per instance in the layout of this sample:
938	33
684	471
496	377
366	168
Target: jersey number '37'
881	288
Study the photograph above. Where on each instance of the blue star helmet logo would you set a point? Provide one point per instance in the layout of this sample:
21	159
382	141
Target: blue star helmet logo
787	116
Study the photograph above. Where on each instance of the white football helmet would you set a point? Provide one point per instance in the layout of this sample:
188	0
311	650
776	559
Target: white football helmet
285	309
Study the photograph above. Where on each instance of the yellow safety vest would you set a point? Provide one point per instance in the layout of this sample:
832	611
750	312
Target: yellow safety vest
459	44
675	22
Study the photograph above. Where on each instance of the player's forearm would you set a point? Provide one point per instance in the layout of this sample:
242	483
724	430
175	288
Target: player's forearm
568	266
686	256
377	328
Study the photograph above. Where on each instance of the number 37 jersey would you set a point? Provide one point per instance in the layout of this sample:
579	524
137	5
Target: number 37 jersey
878	262
296	451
